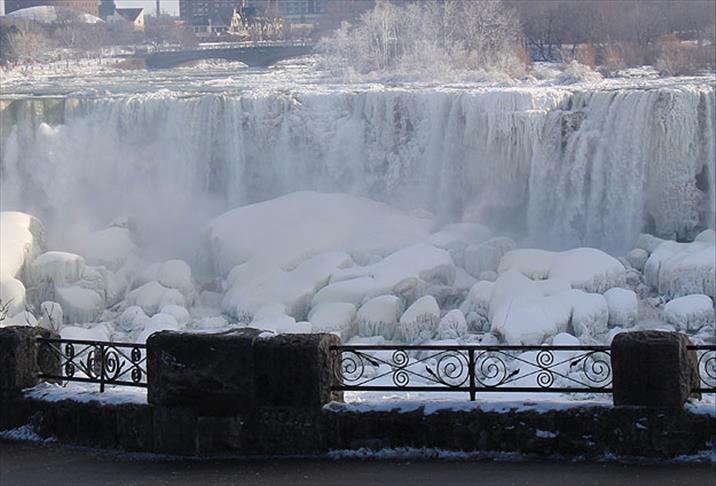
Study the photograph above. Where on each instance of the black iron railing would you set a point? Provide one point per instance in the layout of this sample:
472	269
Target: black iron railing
477	369
101	362
706	359
473	369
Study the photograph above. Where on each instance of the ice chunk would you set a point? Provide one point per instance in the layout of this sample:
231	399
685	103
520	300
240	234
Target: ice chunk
132	318
565	339
706	236
157	323
420	321
587	269
623	307
333	317
24	318
478	299
291	228
637	258
486	256
12	295
57	267
176	274
648	242
379	316
690	313
79	304
460	235
178	312
679	269
453	325
153	296
355	291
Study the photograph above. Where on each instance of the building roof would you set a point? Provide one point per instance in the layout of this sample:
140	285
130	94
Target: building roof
49	14
130	14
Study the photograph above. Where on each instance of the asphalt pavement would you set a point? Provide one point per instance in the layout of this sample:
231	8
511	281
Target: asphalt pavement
23	463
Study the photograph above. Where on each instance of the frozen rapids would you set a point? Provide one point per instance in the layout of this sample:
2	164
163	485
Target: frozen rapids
554	167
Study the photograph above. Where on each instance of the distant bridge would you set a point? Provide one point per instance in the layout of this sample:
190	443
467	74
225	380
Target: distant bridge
253	55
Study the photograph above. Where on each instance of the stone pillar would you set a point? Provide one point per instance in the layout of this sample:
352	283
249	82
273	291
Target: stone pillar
21	359
295	370
652	369
212	374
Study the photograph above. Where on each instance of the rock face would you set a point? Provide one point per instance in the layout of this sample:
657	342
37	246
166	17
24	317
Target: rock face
212	373
653	369
21	359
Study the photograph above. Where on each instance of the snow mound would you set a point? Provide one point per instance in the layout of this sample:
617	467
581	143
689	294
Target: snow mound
132	319
590	314
99	332
690	313
679	269
420	321
623	307
587	269
176	274
289	229
379	316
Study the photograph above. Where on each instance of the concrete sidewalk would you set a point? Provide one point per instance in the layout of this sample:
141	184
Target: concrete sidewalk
33	464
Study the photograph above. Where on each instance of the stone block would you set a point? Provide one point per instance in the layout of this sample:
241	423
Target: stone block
211	373
135	427
218	435
21	359
652	369
174	430
295	370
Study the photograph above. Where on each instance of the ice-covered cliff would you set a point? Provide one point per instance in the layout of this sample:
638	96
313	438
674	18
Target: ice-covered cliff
556	167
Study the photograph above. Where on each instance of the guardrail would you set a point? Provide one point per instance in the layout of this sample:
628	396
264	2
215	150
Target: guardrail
101	362
479	369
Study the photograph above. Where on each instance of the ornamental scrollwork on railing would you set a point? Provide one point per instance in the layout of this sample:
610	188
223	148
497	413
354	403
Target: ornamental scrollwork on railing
473	368
105	363
706	365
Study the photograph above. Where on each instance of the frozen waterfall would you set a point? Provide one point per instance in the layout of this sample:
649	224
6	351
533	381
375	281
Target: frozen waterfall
556	167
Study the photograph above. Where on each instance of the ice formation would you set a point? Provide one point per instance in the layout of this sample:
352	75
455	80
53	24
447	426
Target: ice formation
690	313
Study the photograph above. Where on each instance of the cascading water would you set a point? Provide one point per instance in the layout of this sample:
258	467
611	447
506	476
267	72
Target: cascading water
557	167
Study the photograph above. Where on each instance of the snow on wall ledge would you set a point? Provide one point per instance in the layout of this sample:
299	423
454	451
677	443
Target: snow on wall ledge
559	166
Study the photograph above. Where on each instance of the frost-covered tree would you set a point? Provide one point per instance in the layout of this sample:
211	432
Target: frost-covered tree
433	35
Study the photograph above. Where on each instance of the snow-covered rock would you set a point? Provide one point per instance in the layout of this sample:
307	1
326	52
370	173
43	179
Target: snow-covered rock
453	325
99	332
648	242
178	312
623	307
176	274
21	240
478	299
57	267
587	269
420	321
379	316
637	258
153	296
706	236
590	314
79	305
356	291
291	228
257	283
565	339
132	318
486	256
156	323
333	317
690	313
679	269
24	318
